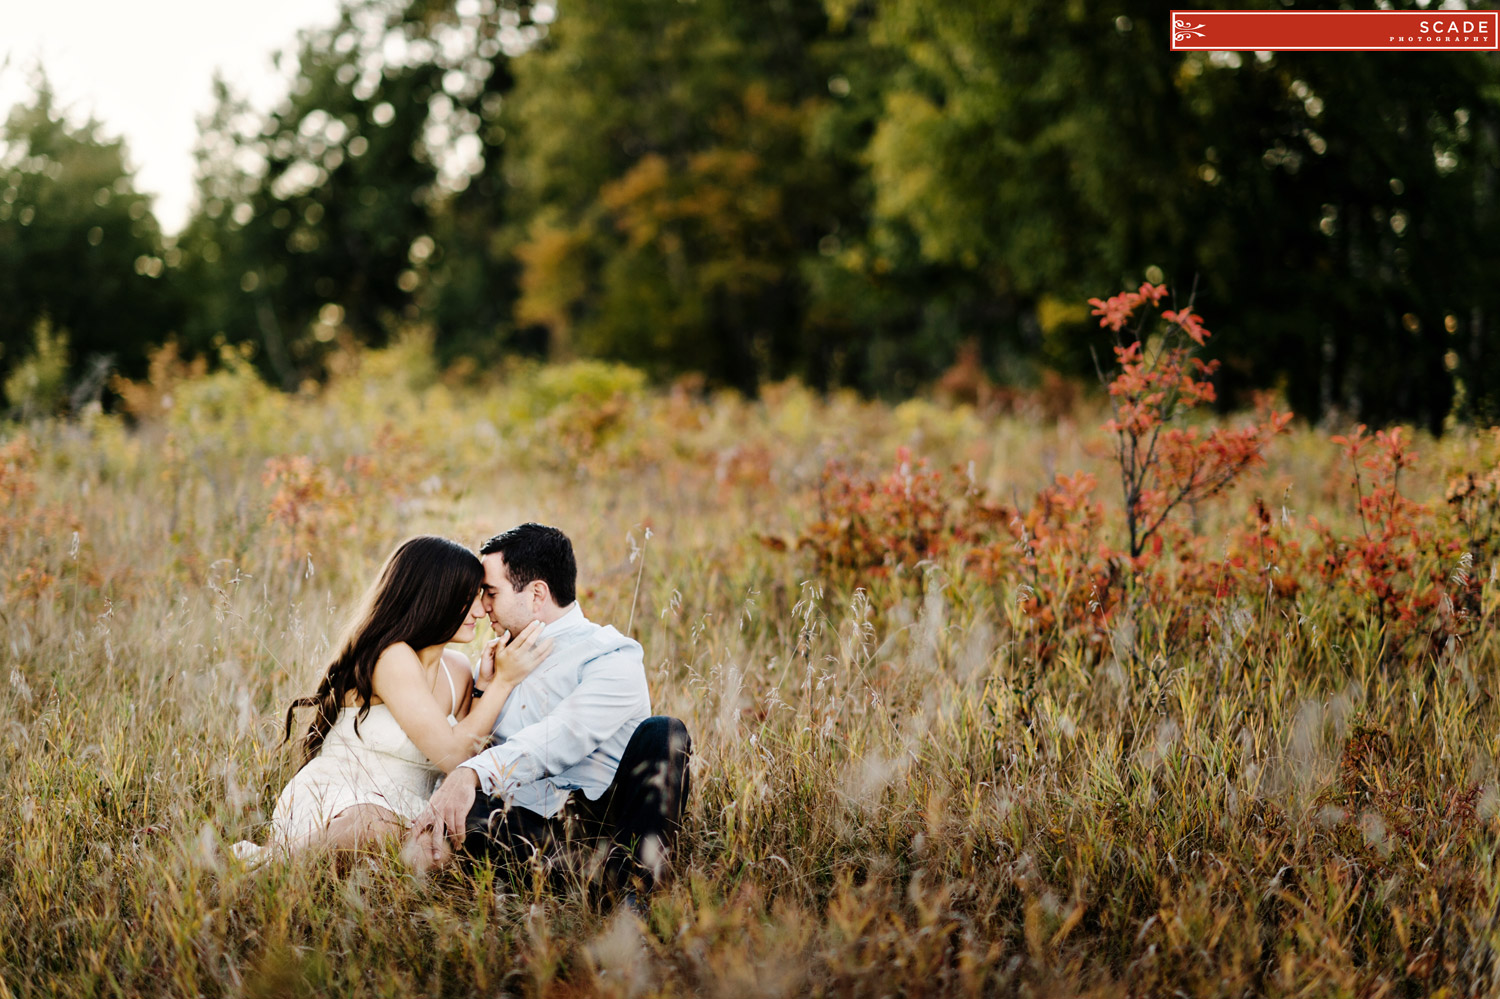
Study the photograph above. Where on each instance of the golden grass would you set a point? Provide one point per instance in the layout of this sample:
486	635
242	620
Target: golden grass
889	797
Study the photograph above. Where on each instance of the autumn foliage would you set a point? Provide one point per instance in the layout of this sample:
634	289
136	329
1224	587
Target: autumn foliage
1163	467
952	736
1073	561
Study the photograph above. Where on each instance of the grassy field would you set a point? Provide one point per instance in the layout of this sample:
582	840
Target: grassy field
944	745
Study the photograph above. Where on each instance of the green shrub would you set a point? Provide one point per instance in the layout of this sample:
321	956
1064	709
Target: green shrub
39	385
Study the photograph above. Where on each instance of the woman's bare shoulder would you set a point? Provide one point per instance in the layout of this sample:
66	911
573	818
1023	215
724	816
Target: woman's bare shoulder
398	653
397	663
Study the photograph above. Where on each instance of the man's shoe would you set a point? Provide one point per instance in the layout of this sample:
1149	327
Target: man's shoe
636	905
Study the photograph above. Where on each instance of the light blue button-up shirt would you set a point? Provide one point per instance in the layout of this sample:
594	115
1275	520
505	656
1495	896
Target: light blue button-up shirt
565	726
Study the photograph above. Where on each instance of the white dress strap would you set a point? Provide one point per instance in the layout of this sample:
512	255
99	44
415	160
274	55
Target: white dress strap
452	694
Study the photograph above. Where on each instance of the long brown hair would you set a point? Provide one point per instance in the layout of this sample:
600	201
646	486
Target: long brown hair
422	597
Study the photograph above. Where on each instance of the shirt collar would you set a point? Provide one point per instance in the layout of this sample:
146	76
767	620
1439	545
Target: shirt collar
572	619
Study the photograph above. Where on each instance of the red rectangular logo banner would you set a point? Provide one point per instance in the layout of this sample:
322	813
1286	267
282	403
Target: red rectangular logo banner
1335	30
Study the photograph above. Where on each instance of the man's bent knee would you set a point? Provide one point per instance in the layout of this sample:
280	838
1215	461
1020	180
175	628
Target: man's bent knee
678	740
664	735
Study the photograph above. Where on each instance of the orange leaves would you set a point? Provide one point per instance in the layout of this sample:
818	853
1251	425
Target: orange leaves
640	198
1148	393
1352	444
17	489
308	505
313	507
876	527
17	472
720	206
1386	452
1163	467
870	527
1391	451
1190	323
1278	423
1399	564
1200	467
1116	311
1069	569
1063	582
1384	455
42	539
1065	517
149	399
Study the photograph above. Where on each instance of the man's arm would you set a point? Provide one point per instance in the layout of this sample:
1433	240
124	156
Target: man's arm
611	691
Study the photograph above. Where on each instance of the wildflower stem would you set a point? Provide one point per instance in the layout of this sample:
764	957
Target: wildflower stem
641	571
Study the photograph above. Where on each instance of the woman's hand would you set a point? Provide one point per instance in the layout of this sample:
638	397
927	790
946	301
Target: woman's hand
506	661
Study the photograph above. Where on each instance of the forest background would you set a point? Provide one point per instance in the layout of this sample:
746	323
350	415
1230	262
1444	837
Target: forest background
852	194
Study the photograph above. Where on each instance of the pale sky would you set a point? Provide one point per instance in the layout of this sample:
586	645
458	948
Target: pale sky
145	69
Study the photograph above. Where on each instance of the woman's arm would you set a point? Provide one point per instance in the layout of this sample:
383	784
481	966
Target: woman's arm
400	682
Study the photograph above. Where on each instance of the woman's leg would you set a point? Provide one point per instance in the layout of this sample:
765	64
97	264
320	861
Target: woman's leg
359	827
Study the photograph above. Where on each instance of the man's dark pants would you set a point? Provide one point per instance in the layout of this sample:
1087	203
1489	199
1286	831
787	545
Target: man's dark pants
636	819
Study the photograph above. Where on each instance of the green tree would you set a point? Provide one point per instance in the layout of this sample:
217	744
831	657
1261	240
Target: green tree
682	170
79	247
1335	210
1354	233
365	202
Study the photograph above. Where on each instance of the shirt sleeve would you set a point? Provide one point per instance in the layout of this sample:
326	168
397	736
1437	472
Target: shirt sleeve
611	691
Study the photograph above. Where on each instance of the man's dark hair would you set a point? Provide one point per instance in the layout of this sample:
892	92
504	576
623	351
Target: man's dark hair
535	551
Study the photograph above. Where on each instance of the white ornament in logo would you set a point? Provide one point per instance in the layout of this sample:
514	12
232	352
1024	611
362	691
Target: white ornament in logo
1181	30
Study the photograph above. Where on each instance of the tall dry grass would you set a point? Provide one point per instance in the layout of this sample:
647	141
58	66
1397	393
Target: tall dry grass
892	794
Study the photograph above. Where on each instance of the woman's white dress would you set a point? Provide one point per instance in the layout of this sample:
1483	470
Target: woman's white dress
378	766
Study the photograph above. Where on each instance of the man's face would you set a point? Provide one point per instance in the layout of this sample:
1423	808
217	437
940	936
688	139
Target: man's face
507	609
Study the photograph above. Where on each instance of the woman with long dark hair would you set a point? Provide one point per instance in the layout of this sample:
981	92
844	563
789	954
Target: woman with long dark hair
395	708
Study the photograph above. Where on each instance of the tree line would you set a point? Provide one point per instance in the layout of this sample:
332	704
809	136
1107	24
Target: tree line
852	193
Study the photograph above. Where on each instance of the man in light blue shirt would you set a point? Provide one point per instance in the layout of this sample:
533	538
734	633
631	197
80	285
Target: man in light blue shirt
575	751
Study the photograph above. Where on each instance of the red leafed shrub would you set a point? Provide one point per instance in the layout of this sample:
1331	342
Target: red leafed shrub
310	505
1164	467
1257	560
1069	570
1057	550
41	542
1069	574
17	474
869	526
1400	562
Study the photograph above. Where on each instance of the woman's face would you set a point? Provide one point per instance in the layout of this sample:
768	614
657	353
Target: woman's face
466	631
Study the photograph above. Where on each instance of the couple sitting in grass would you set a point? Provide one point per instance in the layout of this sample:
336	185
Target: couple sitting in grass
546	743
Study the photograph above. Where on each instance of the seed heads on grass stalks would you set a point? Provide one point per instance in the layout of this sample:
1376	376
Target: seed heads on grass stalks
1008	758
